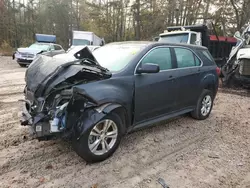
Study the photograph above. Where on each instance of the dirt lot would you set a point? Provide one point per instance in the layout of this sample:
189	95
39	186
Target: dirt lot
184	152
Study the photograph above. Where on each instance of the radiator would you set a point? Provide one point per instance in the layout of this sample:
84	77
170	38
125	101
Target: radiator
245	67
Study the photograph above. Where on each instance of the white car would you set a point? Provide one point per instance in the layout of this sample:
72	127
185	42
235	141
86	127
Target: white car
45	44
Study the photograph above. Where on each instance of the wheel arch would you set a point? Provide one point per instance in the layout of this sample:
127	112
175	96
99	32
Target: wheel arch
93	115
210	82
121	112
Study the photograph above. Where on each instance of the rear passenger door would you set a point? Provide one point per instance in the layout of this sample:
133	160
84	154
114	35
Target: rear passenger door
188	80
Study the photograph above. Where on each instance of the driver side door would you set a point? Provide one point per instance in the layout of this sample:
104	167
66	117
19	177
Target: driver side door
155	93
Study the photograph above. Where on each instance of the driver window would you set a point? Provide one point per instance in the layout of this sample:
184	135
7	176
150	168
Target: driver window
159	56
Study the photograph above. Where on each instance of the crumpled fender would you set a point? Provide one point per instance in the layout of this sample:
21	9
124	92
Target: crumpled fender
92	101
92	116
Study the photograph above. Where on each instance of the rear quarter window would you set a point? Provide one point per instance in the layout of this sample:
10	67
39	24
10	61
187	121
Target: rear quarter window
206	56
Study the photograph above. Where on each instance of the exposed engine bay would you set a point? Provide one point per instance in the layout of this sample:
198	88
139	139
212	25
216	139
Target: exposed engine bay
49	88
236	72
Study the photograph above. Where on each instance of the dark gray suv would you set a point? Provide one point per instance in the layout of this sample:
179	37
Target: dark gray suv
118	88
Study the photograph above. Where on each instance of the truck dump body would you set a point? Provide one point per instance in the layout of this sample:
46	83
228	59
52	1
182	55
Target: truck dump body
221	48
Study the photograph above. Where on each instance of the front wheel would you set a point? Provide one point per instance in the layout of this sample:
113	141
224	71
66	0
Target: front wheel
204	105
101	140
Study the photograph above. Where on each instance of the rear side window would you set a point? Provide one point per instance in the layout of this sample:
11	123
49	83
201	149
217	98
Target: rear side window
186	58
160	56
207	54
197	61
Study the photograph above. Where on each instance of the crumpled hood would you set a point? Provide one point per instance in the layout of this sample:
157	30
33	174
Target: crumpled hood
54	70
29	50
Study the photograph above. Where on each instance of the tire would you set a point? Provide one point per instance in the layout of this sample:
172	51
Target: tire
22	65
197	113
82	147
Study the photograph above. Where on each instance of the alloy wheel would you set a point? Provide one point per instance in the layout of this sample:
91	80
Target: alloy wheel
206	105
103	137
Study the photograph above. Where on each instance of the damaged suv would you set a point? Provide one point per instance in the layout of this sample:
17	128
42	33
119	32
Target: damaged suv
98	97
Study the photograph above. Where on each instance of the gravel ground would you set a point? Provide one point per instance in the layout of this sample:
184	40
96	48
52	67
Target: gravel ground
184	152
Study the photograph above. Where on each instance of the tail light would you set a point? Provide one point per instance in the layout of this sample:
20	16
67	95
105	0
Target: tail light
218	71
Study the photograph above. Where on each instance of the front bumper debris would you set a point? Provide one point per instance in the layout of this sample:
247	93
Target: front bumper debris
26	118
39	125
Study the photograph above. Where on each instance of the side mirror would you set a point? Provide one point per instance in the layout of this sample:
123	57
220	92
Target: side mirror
148	68
237	34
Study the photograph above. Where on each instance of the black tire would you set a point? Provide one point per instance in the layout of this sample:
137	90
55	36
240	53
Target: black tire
22	65
196	114
81	146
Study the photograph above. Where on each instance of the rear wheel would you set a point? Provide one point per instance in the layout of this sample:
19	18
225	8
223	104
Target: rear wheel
101	140
204	105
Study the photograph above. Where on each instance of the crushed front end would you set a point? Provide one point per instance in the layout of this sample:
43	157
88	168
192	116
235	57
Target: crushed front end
49	88
46	118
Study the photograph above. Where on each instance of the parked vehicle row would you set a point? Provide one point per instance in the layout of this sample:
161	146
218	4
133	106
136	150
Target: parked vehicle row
95	98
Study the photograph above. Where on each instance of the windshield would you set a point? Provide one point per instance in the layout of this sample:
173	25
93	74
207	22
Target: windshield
175	38
115	57
39	46
77	42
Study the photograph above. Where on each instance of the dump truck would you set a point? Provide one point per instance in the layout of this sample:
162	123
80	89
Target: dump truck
219	46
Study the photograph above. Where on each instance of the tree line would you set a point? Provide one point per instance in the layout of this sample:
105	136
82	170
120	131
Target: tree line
114	20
